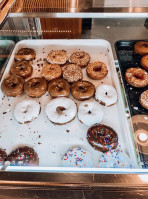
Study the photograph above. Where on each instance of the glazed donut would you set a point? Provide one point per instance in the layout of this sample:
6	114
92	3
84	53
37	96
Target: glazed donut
35	87
80	58
59	88
141	48
77	157
82	90
57	57
12	86
136	77
26	54
115	159
61	110
97	70
51	71
144	99
21	68
72	73
106	95
102	137
26	111
23	156
3	156
90	113
144	62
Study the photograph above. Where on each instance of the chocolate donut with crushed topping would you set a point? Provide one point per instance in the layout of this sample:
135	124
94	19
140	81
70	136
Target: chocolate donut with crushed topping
25	54
3	156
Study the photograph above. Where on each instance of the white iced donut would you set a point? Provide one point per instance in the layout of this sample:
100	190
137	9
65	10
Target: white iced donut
26	111
115	159
61	110
77	157
90	113
106	95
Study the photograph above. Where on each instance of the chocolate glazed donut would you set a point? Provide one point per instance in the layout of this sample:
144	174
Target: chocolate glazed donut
102	138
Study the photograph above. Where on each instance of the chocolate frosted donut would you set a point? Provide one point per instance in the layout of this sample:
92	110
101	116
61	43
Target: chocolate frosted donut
97	70
82	90
141	48
144	99
136	77
23	156
102	137
59	88
21	68
35	87
80	58
12	86
3	156
57	57
26	54
51	71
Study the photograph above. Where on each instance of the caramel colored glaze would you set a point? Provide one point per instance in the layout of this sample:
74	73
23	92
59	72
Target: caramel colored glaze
136	77
25	54
12	86
35	87
21	68
144	99
3	156
82	90
51	72
23	156
102	137
59	88
80	58
144	62
141	48
97	70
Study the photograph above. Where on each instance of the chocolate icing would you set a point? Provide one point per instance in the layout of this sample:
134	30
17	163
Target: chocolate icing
102	137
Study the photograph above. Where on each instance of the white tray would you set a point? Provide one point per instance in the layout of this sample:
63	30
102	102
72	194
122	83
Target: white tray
52	141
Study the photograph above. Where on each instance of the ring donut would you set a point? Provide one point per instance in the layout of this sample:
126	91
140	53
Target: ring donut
80	58
144	62
25	54
141	48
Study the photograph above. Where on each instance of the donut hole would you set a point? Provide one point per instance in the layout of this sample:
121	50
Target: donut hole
145	45
97	68
35	84
60	86
89	112
139	76
83	88
60	110
106	93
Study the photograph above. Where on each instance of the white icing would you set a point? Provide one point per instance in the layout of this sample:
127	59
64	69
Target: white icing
143	137
26	111
90	113
64	116
115	159
77	157
107	94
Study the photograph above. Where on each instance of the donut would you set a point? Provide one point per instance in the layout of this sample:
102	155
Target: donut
61	110
97	70
82	90
136	77
23	156
59	88
144	99
57	57
80	58
3	156
90	113
21	68
77	157
144	62
26	111
106	95
72	73
35	87
12	86
141	48
102	138
115	159
26	54
51	71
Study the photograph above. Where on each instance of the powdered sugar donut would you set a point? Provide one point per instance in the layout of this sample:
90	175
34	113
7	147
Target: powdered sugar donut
90	112
61	110
106	95
77	157
26	111
115	159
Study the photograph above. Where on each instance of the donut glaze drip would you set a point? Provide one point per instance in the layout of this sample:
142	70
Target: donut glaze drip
102	137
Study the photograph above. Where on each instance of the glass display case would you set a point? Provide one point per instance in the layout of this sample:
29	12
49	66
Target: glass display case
33	155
